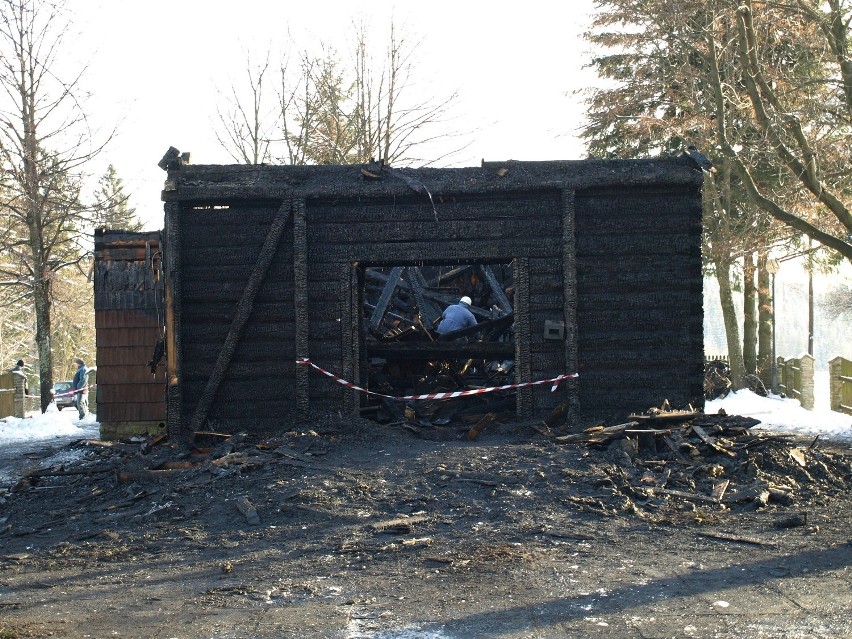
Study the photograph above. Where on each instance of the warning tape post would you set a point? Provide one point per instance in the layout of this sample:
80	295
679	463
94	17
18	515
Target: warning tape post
304	361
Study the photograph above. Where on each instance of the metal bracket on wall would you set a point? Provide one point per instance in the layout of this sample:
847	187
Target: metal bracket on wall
554	329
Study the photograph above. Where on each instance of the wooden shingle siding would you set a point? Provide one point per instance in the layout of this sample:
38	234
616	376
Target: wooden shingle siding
129	320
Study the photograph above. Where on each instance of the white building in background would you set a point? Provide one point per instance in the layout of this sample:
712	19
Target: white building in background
832	337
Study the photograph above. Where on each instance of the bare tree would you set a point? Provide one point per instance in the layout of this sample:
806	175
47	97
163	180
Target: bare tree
244	126
45	141
331	112
396	116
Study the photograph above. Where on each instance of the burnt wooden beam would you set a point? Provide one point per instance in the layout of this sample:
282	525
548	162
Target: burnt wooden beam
394	315
496	290
441	350
174	320
441	298
241	316
426	310
523	360
569	303
385	298
351	334
204	183
451	275
300	302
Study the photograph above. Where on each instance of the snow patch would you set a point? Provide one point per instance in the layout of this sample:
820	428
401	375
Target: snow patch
44	426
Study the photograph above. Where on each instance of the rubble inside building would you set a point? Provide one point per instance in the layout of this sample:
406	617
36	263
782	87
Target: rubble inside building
407	356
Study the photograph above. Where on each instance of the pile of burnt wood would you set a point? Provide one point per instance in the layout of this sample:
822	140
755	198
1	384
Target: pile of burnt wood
402	307
711	459
718	382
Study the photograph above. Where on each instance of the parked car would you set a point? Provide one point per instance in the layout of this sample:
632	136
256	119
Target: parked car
62	399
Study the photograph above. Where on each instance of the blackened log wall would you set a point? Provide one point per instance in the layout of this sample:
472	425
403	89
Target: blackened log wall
613	246
639	288
219	248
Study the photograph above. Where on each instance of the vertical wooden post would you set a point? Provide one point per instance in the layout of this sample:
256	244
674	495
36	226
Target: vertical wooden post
523	364
569	302
300	299
835	384
171	266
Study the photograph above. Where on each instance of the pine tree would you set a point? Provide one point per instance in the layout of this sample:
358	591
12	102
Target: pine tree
112	204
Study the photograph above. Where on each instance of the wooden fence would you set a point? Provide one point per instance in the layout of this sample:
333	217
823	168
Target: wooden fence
796	379
7	395
840	376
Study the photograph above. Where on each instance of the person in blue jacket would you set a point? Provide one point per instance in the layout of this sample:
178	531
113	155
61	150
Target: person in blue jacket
457	317
81	397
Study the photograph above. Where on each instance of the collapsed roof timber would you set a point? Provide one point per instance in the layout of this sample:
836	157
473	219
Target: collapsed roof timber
403	307
267	265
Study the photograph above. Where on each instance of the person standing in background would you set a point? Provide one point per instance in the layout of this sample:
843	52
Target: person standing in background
19	370
80	387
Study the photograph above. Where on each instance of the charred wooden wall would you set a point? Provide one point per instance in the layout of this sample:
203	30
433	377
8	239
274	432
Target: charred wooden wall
129	320
639	298
219	249
524	226
575	232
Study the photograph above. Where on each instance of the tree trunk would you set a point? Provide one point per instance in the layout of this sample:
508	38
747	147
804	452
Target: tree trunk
764	325
732	333
749	316
810	299
41	292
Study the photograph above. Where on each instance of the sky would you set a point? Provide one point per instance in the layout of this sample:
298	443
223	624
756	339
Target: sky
156	70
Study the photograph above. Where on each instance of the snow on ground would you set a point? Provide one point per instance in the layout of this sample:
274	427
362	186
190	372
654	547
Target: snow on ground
779	414
38	441
50	425
775	413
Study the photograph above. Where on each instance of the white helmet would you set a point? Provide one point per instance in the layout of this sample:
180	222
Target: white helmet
466	300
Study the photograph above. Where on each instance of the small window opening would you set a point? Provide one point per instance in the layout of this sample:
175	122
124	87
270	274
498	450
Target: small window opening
438	329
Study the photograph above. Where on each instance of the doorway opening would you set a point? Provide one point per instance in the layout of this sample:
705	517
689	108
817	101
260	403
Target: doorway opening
407	350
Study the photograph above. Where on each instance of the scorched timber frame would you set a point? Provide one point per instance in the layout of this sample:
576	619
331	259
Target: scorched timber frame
262	269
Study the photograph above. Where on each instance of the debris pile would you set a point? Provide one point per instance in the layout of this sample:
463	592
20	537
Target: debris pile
718	382
685	457
407	355
358	482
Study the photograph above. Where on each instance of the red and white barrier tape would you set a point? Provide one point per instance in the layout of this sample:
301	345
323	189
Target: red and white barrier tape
304	361
77	391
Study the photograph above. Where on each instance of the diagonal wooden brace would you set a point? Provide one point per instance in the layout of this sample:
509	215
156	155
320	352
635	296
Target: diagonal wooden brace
241	315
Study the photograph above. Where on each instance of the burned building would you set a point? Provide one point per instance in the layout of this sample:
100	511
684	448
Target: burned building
586	266
129	324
